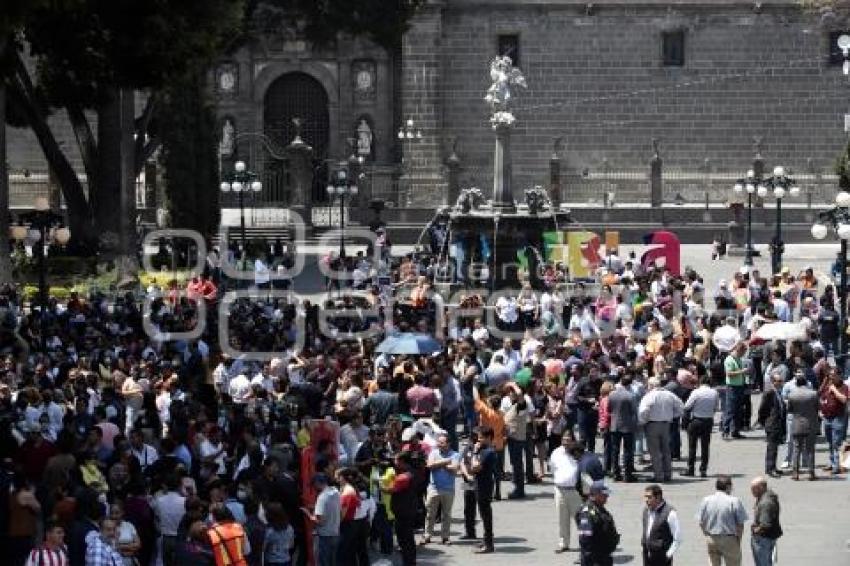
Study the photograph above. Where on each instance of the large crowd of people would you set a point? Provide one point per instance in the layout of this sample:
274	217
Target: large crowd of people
298	441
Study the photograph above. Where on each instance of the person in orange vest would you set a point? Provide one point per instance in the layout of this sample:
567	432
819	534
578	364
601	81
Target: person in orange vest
229	543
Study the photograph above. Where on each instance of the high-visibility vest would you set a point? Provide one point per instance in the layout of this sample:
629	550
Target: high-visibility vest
228	544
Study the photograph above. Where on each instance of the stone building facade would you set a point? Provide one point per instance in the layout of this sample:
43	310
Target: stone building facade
605	77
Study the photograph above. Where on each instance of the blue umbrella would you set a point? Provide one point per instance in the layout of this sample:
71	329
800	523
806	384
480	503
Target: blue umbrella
410	344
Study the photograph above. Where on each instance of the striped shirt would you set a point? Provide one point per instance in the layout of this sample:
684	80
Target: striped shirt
48	557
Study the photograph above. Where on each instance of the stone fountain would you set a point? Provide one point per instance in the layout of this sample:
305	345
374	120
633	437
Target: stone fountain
499	232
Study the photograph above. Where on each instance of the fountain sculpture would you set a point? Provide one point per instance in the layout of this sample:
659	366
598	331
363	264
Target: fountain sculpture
504	236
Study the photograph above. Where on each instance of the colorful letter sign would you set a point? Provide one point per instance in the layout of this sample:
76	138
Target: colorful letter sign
665	250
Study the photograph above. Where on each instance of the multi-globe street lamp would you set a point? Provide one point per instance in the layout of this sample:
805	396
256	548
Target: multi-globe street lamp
341	185
43	228
838	218
779	185
241	181
751	183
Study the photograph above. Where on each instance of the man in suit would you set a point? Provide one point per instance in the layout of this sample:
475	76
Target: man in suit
803	407
771	416
623	408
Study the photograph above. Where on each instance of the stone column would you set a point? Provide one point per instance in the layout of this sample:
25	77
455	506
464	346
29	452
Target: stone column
453	165
555	175
503	196
423	175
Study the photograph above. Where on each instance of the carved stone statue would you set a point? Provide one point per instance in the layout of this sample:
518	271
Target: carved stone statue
225	146
364	139
504	75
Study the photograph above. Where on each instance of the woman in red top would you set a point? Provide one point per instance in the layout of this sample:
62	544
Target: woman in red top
833	408
349	500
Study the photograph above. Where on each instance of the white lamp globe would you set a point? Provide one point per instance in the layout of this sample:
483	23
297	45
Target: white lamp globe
353	189
779	192
41	204
751	188
19	232
779	171
762	191
819	231
343	175
225	187
330	190
239	166
401	134
739	188
236	186
256	186
842	199
843	231
33	235
62	236
751	174
794	191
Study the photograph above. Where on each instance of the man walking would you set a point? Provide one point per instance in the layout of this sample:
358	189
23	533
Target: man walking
326	518
833	407
485	466
736	386
516	423
565	477
657	408
771	416
721	516
765	528
702	404
661	534
623	408
597	533
443	464
803	408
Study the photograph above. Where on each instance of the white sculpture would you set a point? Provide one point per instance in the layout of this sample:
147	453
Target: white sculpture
364	139
225	146
504	75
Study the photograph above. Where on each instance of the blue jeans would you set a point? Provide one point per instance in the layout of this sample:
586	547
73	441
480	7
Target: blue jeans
835	429
762	550
325	550
731	413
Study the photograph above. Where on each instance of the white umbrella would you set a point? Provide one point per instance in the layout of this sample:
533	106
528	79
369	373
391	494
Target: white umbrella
725	338
781	331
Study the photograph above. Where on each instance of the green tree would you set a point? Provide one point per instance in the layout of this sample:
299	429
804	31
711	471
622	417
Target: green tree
92	56
189	154
382	21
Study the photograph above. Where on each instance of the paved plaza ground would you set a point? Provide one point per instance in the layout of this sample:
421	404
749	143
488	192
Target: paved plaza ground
814	516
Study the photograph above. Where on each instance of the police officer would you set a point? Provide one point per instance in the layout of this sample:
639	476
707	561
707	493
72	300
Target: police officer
598	536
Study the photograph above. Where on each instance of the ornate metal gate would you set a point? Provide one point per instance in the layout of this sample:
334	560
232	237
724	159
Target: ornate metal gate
298	95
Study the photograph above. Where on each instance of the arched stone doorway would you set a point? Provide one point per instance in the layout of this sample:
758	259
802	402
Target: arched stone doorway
299	95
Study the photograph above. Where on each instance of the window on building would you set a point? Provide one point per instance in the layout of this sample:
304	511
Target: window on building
509	46
673	48
836	57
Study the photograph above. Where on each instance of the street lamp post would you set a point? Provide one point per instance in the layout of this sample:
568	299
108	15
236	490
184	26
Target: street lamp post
781	185
751	183
341	185
838	218
42	227
240	181
407	134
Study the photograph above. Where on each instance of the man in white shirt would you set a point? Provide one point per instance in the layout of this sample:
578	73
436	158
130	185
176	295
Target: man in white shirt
565	477
506	311
657	409
240	389
661	534
213	450
144	453
721	517
169	509
510	357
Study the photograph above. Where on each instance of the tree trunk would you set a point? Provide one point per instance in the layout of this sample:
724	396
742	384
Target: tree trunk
129	263
5	252
105	195
79	214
